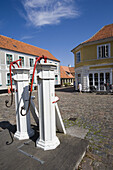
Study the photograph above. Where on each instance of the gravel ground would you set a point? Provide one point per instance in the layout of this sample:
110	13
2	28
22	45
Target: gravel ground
89	111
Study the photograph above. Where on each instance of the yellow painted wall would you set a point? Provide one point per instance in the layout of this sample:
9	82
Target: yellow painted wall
89	55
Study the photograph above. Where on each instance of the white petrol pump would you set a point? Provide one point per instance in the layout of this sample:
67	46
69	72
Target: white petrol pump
49	115
21	80
46	97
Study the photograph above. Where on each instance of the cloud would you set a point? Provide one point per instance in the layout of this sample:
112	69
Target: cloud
26	37
48	12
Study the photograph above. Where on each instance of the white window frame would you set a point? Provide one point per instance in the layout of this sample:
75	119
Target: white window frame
109	47
33	61
23	57
76	56
6	60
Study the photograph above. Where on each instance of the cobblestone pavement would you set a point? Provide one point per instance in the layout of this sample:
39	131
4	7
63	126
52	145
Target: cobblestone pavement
87	110
95	113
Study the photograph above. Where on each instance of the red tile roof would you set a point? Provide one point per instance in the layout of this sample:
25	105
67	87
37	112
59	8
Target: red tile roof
104	32
18	46
72	69
65	72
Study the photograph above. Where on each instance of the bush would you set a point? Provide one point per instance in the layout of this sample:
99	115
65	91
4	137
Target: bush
67	84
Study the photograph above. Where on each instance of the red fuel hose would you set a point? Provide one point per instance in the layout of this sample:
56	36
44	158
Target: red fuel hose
12	65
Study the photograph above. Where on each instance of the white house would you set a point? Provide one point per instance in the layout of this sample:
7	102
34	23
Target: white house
11	50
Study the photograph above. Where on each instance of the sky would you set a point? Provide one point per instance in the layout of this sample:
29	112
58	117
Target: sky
54	25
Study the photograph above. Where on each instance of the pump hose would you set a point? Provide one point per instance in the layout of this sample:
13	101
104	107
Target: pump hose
12	65
37	60
7	101
22	108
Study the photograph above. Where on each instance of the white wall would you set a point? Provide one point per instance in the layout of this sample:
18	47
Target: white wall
4	68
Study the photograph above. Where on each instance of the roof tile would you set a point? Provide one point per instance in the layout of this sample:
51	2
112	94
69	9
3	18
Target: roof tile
104	32
18	46
64	70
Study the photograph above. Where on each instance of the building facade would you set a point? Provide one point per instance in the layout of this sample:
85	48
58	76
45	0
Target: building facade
94	61
11	50
67	75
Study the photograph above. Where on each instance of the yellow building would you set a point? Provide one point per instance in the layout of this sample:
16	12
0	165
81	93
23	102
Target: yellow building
94	61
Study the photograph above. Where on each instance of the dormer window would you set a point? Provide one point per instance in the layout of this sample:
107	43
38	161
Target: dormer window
103	51
78	57
67	73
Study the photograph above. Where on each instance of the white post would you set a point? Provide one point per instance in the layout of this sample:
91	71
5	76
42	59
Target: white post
21	79
46	94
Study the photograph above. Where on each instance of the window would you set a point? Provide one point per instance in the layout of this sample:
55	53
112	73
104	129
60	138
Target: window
8	79
90	80
107	76
31	75
22	61
31	61
56	77
67	73
79	78
9	58
101	81
78	57
103	51
96	80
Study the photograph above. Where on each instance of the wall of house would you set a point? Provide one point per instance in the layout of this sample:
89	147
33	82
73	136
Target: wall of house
89	55
4	68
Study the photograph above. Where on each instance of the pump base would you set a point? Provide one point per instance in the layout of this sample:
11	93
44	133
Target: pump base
24	135
47	145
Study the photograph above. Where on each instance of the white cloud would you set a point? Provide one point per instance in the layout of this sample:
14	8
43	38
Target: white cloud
26	37
47	12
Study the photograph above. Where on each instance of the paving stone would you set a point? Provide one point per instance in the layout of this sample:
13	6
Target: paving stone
77	131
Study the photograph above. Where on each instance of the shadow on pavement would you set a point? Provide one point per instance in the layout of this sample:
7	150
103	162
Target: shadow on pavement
65	89
36	135
11	128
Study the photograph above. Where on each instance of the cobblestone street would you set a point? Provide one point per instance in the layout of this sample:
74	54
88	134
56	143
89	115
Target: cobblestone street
95	113
89	111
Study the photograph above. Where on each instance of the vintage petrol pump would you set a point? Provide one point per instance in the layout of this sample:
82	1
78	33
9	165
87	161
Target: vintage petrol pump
47	103
21	80
23	100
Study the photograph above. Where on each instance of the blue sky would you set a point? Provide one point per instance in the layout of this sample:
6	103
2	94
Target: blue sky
55	25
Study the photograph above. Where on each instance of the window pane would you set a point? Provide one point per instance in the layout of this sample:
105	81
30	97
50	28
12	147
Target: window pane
22	61
101	81
106	52
99	52
96	80
8	79
107	77
8	58
103	51
31	62
78	57
90	80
